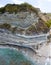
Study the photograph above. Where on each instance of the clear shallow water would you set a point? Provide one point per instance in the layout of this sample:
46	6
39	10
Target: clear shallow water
13	57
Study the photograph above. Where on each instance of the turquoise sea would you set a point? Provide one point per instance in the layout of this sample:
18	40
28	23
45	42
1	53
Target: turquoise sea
13	57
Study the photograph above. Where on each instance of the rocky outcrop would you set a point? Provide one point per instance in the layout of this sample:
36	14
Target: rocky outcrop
28	21
22	19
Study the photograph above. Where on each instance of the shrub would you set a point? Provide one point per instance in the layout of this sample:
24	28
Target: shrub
17	8
5	26
48	23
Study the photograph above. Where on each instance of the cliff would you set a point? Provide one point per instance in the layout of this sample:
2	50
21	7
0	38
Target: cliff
26	18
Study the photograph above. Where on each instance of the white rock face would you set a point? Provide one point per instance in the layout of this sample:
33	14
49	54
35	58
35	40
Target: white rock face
24	19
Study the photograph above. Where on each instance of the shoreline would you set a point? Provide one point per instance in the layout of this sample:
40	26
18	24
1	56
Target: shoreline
32	56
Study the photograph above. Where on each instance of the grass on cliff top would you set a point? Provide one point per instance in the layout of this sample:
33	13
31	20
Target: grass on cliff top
18	8
48	23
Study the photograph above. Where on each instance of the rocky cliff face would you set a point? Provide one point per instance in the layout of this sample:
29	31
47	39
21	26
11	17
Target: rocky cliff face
32	20
22	19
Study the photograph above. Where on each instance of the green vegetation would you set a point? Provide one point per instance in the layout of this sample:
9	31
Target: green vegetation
48	23
17	8
5	26
49	14
40	27
2	10
10	28
32	28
